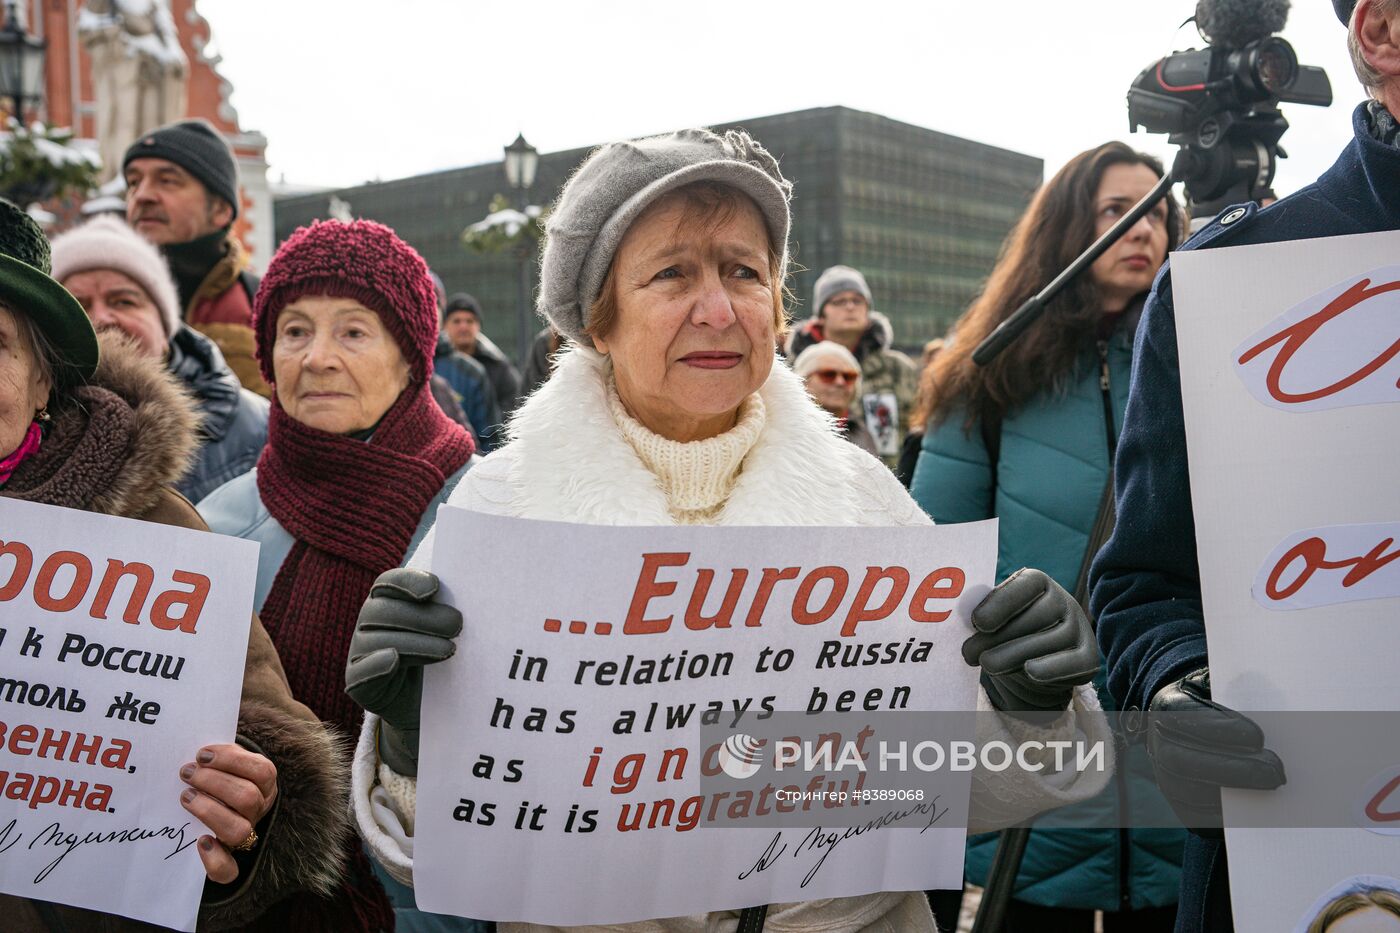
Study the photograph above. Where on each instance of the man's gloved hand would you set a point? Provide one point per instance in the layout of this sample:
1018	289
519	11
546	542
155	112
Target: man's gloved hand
1033	643
1198	746
400	629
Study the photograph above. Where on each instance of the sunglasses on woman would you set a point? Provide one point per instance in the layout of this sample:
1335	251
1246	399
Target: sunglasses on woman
833	375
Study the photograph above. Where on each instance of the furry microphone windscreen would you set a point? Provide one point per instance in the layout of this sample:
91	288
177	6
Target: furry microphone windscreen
1234	23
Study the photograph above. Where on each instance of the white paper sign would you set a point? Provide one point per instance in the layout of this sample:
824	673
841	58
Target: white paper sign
597	643
1288	374
122	647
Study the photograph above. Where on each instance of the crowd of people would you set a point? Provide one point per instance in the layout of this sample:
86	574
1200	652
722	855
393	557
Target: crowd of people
329	408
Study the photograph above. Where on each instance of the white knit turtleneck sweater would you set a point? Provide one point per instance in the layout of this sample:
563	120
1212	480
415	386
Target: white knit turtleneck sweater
697	477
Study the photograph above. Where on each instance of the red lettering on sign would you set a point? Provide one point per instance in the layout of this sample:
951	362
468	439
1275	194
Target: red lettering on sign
1295	336
1313	553
649	588
1374	813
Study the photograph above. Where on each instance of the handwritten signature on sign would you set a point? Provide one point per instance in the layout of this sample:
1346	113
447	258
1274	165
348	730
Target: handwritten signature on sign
1330	565
1333	350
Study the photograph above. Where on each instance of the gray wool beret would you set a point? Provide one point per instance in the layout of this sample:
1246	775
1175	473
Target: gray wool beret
836	280
617	182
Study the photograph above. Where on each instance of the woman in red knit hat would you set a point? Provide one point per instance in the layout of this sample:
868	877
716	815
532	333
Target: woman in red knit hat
358	458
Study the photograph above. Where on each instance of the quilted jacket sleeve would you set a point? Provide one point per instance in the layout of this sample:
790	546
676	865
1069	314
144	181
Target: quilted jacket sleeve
953	478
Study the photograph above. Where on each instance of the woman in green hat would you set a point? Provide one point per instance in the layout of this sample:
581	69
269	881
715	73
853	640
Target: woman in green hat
86	422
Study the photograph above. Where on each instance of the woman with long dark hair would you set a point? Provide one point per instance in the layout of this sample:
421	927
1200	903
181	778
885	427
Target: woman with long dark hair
1029	439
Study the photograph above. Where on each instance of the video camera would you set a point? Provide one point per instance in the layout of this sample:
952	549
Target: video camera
1220	104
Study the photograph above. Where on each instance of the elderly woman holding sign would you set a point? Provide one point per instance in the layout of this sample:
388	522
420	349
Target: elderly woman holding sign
358	458
93	425
664	264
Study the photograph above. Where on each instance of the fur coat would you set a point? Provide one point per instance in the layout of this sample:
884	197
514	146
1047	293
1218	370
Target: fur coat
115	448
567	460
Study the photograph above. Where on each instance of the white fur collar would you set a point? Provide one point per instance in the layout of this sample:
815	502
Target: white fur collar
568	461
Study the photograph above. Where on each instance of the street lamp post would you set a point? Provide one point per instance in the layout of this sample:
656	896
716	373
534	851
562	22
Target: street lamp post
21	63
521	162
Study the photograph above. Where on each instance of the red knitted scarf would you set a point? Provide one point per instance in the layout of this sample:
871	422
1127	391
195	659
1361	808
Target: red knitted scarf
352	507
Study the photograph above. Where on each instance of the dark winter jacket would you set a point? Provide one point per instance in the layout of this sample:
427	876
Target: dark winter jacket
505	379
1146	581
216	291
115	452
449	403
473	387
234	428
889	380
1051	470
541	362
853	429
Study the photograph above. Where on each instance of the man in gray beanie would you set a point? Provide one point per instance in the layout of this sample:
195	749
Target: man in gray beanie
123	284
842	312
182	194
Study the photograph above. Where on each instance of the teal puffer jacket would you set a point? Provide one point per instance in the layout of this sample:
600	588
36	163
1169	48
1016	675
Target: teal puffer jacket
1051	471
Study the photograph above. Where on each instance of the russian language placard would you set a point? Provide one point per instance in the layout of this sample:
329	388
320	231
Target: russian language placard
122	647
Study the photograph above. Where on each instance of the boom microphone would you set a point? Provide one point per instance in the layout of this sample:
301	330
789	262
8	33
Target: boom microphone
1236	23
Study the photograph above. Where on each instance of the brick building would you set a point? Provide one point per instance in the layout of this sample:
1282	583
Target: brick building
922	213
69	100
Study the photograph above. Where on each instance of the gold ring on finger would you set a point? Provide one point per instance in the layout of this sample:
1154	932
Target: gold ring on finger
247	844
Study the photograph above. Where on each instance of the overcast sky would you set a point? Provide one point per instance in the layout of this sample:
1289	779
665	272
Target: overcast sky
351	90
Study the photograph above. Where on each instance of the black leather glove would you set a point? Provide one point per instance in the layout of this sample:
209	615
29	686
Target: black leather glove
1200	747
400	629
1033	643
